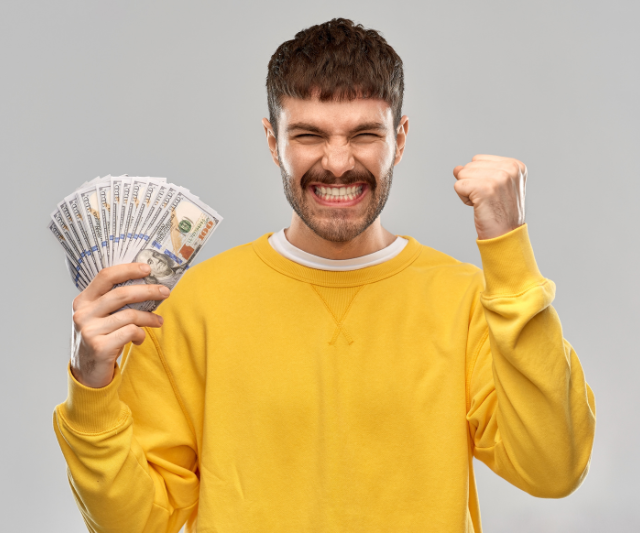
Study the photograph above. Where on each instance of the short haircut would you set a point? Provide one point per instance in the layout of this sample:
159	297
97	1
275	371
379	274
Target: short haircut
337	60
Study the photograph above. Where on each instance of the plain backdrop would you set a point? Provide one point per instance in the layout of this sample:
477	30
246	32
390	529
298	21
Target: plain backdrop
176	89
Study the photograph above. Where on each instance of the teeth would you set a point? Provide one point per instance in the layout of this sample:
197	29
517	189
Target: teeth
339	193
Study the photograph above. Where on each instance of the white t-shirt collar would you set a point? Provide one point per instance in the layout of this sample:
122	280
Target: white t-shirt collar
281	245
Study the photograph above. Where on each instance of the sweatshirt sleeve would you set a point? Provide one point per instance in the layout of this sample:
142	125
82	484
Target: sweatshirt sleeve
131	466
530	412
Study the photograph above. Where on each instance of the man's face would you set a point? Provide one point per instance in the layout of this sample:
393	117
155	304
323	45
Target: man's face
336	160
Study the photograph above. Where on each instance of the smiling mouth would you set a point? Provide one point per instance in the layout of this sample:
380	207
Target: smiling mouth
339	195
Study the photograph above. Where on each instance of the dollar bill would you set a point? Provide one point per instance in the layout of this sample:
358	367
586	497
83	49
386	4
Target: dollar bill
145	201
124	201
116	192
157	198
72	206
112	220
79	255
180	233
72	262
90	208
104	195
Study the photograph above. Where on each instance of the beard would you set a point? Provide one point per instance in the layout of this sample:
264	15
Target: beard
339	225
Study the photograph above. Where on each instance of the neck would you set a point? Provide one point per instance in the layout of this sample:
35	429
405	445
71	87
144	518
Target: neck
374	238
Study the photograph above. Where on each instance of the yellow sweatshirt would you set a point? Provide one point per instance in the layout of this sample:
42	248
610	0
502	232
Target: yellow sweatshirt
278	398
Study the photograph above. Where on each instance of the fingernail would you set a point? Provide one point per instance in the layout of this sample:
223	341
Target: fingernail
161	320
164	291
145	268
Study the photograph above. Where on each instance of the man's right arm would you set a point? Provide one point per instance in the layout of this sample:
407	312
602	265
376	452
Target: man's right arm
124	476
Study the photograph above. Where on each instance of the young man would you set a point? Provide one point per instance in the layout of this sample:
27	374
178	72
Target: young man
331	377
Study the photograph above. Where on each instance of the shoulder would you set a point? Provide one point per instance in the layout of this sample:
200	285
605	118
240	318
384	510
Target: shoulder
223	269
436	264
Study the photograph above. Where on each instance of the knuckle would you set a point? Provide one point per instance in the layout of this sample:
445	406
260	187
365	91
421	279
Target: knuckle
77	301
120	294
105	273
93	343
78	318
128	315
124	333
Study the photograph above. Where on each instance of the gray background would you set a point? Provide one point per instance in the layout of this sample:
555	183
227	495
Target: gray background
177	90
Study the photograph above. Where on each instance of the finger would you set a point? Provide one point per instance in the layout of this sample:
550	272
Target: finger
120	337
498	159
488	157
457	169
117	298
111	323
110	276
511	167
463	189
476	173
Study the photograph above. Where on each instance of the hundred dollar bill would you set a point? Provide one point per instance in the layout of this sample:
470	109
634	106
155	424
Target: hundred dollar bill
146	195
80	285
71	208
156	206
152	221
78	254
151	199
179	234
72	262
124	200
116	193
104	194
138	186
90	208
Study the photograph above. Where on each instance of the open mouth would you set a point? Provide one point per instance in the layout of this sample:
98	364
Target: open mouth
339	195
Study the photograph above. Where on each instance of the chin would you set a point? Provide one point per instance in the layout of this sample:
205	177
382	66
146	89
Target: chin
337	229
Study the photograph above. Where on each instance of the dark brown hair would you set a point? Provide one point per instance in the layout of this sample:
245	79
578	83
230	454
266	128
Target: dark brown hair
340	60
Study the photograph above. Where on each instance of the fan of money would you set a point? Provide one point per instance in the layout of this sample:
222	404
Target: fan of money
114	220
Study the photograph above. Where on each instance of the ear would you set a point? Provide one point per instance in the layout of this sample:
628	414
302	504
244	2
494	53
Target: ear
401	138
271	140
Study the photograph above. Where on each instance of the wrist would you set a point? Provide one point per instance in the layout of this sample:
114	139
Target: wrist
494	232
91	374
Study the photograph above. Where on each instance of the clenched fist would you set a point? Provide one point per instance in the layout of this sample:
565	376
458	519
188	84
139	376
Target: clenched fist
495	187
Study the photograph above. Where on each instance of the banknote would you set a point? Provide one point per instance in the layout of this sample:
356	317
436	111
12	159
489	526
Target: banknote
124	201
163	205
64	227
176	240
104	195
122	219
116	193
72	261
74	209
144	198
90	209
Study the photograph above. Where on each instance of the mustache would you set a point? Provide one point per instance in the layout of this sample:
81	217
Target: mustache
328	178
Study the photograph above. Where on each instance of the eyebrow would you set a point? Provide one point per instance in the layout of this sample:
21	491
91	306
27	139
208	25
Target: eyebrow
360	127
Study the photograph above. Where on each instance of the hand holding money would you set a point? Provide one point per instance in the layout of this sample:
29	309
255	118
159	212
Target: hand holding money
99	333
127	242
115	220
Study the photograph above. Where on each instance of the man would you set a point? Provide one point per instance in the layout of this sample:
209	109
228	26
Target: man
331	377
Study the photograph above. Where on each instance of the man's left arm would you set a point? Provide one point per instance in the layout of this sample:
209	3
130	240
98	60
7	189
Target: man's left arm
530	411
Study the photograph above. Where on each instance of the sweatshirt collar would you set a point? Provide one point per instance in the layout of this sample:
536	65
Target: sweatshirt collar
326	278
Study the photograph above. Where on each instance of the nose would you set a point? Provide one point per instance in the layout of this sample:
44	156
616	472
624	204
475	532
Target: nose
338	158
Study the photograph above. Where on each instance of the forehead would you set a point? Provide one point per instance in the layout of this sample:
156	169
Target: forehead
334	116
